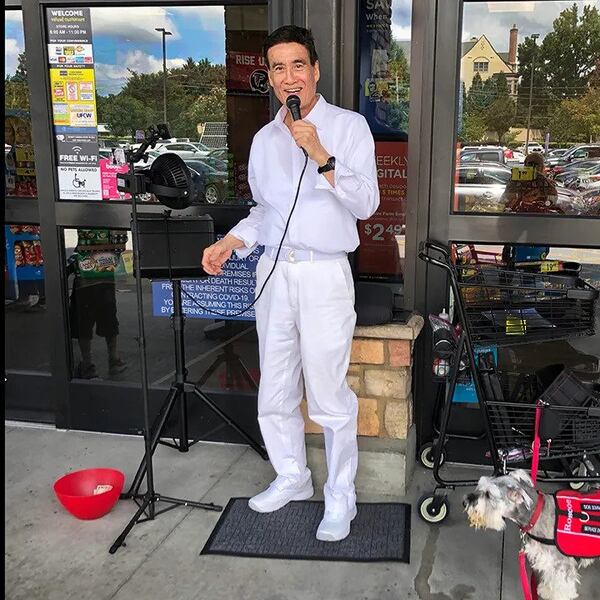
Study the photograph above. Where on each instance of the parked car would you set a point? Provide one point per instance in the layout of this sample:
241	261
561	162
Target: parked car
217	158
583	203
213	183
531	147
556	152
480	186
580	152
483	154
588	180
150	157
564	175
514	157
185	149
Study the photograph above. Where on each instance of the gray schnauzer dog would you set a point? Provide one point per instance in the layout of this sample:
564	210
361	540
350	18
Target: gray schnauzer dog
514	497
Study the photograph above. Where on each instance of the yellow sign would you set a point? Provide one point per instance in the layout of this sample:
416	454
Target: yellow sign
127	259
549	266
523	173
73	97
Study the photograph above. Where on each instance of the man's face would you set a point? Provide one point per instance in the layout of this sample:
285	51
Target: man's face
290	73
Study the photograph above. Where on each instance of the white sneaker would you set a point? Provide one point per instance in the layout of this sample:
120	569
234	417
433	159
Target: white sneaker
335	526
278	494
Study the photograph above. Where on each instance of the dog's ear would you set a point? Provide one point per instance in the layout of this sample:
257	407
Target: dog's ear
521	476
519	496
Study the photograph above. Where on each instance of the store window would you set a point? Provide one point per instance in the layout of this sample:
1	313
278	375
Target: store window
103	319
383	98
27	339
19	160
539	93
116	71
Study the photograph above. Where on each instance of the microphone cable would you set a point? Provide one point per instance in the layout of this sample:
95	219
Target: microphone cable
237	314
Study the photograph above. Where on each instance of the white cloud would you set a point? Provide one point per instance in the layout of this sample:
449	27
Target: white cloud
210	17
479	20
11	53
134	24
13	16
400	33
111	78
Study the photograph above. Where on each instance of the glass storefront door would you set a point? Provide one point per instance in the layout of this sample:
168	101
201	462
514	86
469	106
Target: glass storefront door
512	157
113	71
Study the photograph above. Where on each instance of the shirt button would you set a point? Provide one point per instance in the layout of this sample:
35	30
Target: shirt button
291	256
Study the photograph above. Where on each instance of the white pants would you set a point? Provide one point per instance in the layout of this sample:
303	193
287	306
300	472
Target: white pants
305	321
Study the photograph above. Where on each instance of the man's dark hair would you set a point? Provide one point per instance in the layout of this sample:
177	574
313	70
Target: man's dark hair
288	34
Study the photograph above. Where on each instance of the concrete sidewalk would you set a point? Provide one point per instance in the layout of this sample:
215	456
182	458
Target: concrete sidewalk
50	555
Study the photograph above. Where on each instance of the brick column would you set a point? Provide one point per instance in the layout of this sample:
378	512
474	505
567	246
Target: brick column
380	375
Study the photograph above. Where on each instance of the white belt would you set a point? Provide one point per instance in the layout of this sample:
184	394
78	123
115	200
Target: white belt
295	255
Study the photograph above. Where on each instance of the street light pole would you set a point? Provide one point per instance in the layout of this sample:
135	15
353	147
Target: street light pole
164	33
534	37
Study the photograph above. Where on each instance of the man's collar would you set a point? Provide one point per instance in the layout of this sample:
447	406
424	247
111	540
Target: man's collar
316	116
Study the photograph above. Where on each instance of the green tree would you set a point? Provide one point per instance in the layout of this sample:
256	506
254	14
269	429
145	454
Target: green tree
16	92
577	119
564	62
473	128
205	108
499	115
124	114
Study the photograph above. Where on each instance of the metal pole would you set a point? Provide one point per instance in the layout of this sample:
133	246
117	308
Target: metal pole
164	50
534	36
164	34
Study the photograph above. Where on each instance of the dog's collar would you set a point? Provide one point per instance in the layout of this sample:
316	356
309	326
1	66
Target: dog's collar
536	513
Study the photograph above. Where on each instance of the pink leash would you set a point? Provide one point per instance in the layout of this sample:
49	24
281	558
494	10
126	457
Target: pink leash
530	586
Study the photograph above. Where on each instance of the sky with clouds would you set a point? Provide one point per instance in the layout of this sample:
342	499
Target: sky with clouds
124	37
494	19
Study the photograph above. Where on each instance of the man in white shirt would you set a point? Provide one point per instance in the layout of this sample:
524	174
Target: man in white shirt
305	317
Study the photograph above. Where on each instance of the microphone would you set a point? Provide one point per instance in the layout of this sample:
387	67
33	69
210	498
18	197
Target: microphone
293	104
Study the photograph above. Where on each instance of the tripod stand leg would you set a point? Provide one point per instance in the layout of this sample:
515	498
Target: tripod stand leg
251	441
205	377
121	539
246	375
157	429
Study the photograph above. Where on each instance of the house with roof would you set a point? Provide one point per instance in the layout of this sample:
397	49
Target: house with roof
479	56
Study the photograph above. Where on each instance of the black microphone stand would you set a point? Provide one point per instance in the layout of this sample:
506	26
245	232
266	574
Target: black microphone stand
147	501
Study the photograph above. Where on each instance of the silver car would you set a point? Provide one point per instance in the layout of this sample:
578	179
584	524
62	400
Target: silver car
480	186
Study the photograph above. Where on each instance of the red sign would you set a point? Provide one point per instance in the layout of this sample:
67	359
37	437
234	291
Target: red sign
247	71
382	236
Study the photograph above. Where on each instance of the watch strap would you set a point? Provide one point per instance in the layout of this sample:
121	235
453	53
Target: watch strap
328	166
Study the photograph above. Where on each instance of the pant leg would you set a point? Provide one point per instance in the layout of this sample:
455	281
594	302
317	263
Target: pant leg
280	390
326	324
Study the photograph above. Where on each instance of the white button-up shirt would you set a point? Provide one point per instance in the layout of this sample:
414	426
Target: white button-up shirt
324	219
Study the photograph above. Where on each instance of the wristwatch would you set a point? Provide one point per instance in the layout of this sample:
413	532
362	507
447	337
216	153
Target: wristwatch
328	166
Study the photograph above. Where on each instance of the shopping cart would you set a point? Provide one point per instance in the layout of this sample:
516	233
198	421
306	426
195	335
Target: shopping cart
500	307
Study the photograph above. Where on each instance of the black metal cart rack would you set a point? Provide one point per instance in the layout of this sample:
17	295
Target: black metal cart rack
498	306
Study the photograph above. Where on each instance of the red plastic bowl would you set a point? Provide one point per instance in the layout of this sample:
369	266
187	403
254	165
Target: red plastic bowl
75	491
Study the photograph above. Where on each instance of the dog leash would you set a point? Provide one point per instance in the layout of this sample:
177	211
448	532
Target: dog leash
529	585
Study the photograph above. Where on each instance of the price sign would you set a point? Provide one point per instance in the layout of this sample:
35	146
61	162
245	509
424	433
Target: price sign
381	232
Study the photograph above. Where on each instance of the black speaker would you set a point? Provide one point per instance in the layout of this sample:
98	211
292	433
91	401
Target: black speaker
172	247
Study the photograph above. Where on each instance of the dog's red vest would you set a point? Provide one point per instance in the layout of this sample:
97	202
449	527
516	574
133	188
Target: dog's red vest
577	527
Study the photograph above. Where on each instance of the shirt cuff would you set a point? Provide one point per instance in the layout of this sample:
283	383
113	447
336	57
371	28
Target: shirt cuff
246	235
342	176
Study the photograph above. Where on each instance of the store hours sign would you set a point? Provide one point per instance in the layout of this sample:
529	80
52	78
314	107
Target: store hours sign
227	294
